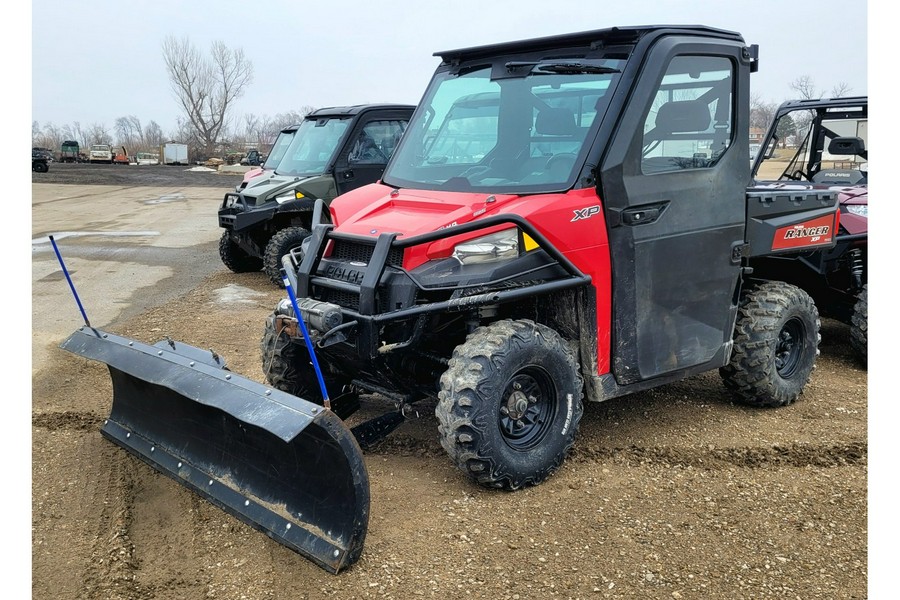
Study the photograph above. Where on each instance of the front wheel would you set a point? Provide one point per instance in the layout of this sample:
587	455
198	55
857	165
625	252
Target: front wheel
510	404
859	326
287	366
776	342
278	247
235	258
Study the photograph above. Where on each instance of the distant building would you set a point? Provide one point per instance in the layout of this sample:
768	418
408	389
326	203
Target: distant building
756	135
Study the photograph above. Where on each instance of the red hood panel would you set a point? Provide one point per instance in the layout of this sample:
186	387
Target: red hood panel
372	210
855	195
571	221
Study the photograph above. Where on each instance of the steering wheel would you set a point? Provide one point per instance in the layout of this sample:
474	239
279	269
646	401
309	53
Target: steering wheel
560	165
474	171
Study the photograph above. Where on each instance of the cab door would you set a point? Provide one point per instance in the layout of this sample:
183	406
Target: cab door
674	184
368	147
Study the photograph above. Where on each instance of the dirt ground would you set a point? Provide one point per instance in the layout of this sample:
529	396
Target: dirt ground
672	493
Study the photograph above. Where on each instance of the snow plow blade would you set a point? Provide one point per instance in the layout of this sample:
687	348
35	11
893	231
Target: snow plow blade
281	464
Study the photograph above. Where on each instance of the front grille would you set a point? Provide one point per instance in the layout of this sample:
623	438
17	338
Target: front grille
349	300
339	297
362	252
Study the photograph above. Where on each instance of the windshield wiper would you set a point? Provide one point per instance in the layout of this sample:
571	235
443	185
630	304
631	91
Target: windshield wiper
573	68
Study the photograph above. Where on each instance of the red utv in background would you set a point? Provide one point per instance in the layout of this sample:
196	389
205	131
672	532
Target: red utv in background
822	145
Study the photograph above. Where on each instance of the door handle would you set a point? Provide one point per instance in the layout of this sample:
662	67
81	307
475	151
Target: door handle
639	216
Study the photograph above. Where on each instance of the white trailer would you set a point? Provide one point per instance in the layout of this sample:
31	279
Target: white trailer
171	153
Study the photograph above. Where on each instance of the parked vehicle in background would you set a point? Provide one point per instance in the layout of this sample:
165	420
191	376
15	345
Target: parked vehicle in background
173	153
254	158
100	153
120	156
827	152
282	142
146	158
68	151
39	161
44	152
334	150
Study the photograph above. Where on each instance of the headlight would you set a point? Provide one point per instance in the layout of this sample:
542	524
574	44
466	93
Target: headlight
859	209
503	245
288	196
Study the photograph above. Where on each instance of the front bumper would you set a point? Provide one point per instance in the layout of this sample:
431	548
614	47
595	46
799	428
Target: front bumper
386	305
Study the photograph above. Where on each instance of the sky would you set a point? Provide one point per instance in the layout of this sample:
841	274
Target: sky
93	62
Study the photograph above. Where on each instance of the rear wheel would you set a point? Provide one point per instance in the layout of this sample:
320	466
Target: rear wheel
776	341
510	404
236	259
278	247
859	325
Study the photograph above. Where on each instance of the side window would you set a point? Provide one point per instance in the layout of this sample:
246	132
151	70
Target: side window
376	142
691	120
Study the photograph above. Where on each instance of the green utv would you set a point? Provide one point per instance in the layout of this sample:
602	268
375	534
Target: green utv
333	151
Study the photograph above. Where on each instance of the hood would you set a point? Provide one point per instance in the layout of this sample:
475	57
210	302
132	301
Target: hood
376	209
854	203
854	196
251	174
265	188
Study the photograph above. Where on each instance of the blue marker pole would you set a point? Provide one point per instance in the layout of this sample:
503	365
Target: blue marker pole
309	344
69	279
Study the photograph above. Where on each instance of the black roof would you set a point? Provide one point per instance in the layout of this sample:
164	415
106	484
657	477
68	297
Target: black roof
857	107
826	102
612	35
346	111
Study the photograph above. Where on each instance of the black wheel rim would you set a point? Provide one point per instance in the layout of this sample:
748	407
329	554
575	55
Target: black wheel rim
789	347
527	408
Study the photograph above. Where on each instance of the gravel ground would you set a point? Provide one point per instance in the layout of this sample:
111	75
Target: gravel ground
139	175
673	493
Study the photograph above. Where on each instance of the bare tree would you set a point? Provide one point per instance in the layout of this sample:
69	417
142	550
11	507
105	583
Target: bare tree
153	136
762	112
206	88
74	132
50	137
129	131
252	124
841	90
272	127
282	120
806	88
97	134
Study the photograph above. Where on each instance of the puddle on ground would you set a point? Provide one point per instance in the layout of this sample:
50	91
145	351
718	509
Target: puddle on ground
236	294
166	198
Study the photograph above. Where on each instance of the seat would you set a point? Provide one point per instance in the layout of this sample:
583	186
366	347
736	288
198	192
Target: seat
555	120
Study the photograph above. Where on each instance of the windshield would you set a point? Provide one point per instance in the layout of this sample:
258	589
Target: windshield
279	148
312	147
819	146
515	134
